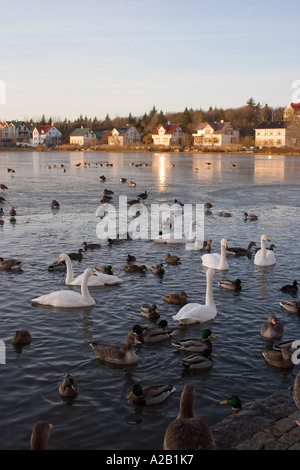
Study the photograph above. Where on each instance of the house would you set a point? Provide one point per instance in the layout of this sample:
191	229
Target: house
216	134
274	134
292	112
46	135
83	136
168	134
124	136
15	131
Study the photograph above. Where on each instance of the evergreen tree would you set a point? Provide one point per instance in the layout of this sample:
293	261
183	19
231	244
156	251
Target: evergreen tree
185	120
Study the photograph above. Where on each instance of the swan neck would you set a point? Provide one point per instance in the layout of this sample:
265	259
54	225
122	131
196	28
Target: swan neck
209	301
84	289
223	262
69	268
263	248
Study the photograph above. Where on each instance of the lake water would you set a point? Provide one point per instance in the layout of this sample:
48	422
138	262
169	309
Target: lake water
101	417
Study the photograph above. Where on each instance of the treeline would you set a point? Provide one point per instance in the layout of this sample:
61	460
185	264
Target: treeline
245	118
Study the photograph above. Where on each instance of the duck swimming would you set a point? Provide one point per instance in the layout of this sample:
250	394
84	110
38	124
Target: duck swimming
150	311
151	395
188	431
134	268
22	337
231	285
291	306
40	435
281	359
152	334
116	354
201	360
273	328
235	403
172	259
196	344
250	216
177	299
238	251
91	246
68	387
11	265
290	288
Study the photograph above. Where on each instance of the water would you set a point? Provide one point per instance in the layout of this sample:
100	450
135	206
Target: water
101	417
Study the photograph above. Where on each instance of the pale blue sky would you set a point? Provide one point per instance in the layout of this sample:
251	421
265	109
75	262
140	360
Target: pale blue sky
66	58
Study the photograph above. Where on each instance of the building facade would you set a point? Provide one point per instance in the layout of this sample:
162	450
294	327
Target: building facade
168	135
46	135
216	134
83	136
274	134
126	135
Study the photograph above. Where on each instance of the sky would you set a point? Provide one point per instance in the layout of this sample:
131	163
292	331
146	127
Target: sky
69	57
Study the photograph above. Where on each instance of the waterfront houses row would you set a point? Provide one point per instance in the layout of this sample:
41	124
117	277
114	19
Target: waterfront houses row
284	133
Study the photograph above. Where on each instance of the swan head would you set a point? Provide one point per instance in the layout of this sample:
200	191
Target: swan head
265	238
63	257
224	242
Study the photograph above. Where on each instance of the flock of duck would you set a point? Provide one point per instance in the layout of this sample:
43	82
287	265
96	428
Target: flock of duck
187	431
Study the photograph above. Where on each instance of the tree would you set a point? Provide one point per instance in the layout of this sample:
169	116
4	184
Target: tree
43	121
251	102
160	118
153	112
185	120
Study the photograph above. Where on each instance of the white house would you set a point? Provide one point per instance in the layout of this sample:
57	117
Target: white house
46	135
124	136
83	136
168	134
15	131
292	112
275	134
216	134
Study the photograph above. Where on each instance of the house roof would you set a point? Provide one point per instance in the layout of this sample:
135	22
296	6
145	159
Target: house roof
15	123
81	131
272	125
43	129
169	128
295	105
218	127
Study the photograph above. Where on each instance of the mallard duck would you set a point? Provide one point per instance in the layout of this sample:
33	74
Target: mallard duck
197	313
10	265
235	403
250	216
188	431
115	241
134	268
107	192
176	299
91	246
152	334
132	184
12	212
216	260
151	395
264	257
40	435
130	258
273	328
172	259
57	267
238	251
76	256
105	269
3	187
102	178
158	269
116	354
150	311
55	204
131	202
291	306
290	288
203	245
105	199
68	387
231	285
208	205
2	199
196	344
22	337
281	359
123	180
201	360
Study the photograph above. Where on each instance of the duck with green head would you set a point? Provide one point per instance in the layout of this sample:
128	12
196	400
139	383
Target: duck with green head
151	395
150	311
152	334
199	361
196	344
235	403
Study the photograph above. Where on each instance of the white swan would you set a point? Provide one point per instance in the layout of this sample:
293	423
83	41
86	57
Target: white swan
264	257
195	313
69	298
99	279
216	260
170	238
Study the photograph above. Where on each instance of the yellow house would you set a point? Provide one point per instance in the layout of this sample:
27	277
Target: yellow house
274	134
216	134
168	134
83	136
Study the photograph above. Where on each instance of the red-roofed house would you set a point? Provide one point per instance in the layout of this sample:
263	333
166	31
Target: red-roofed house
292	112
216	134
46	135
168	134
